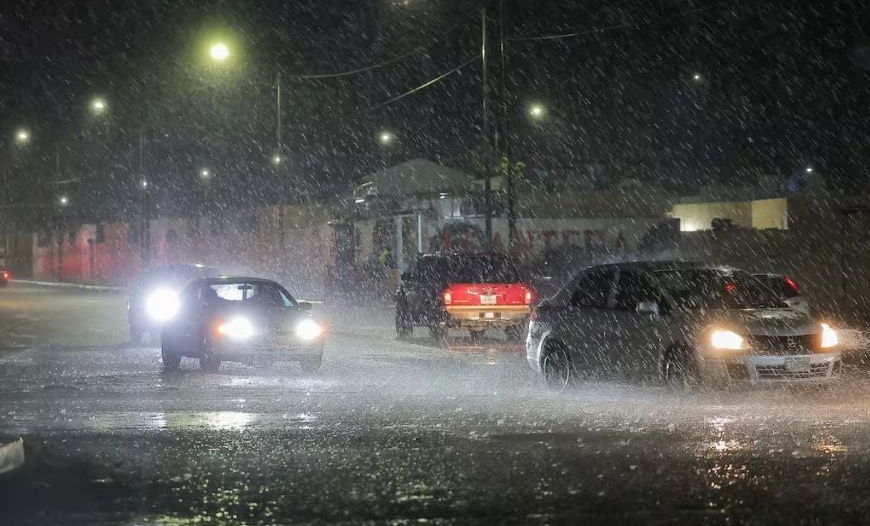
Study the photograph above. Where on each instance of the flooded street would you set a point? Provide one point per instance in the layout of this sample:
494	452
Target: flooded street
401	431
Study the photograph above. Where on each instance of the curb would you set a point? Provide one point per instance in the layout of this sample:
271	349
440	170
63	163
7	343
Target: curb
63	284
11	456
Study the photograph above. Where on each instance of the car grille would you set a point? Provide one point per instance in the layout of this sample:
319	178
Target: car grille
785	345
816	370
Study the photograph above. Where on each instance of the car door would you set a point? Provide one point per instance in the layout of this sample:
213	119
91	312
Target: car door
637	347
586	329
188	328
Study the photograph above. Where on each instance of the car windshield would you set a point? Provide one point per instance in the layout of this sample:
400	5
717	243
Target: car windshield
255	293
708	288
481	270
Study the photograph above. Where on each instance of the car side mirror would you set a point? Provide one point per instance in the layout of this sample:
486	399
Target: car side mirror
304	305
648	307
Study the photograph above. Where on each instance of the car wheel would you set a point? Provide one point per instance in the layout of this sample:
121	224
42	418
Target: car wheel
679	367
207	361
515	333
171	360
404	327
557	369
438	332
311	365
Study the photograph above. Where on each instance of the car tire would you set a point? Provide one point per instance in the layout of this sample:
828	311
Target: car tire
679	367
207	361
438	332
171	359
404	327
311	365
516	333
557	368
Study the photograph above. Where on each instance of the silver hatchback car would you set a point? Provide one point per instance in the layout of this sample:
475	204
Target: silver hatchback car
685	322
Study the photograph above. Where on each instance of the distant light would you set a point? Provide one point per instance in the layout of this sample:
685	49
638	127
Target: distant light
386	138
442	196
22	136
98	105
359	200
64	200
219	52
537	111
204	173
697	77
276	160
809	169
144	184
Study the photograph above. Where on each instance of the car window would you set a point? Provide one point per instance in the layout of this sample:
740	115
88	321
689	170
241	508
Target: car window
632	289
265	294
593	290
712	288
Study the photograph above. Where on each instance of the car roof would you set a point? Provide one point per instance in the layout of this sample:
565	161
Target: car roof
236	279
660	265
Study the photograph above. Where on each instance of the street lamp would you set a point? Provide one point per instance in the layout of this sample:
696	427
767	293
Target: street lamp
537	111
809	169
697	77
219	52
144	184
276	160
386	138
204	173
22	136
64	200
98	106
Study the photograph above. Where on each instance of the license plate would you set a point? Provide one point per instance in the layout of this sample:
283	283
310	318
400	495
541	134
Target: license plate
487	299
799	364
489	315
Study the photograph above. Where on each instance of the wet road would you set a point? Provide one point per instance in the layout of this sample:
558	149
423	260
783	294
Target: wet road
400	432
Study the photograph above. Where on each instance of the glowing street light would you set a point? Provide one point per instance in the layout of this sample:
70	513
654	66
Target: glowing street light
276	160
809	169
537	111
63	200
22	136
697	77
386	138
144	184
204	173
98	106
219	52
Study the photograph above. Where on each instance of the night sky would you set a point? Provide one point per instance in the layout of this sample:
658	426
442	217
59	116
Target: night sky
784	84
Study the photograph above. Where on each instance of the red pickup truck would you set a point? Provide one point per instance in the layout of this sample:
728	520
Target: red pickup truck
463	291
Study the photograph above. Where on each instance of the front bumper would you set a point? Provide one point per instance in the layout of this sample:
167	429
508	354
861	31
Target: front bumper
483	316
771	369
232	350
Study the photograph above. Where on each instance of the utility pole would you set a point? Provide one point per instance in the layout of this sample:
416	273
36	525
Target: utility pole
282	182
486	145
145	234
60	218
505	132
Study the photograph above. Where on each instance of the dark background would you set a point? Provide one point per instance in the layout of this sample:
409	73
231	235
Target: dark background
784	85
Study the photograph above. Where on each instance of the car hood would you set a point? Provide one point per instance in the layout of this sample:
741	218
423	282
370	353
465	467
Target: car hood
770	322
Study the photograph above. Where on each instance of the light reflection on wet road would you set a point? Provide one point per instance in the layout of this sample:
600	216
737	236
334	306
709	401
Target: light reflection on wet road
403	430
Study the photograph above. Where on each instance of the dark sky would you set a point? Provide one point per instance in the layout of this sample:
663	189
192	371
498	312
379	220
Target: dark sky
784	84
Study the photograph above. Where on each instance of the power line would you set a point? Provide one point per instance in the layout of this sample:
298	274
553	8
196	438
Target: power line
422	47
425	85
625	25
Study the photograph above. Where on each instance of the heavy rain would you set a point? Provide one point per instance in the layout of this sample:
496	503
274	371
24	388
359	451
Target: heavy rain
434	261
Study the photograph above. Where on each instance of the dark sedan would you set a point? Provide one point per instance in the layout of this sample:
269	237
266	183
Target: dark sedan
240	319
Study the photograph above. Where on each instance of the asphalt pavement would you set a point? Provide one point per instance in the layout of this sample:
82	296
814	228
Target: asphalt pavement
398	431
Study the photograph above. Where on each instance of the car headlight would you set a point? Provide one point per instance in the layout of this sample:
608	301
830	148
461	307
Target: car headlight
729	340
237	328
162	304
308	330
829	337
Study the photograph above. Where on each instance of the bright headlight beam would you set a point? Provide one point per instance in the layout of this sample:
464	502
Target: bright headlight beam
726	340
237	328
308	330
829	337
162	304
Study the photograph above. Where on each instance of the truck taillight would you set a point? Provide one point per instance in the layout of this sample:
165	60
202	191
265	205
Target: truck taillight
530	296
791	283
447	296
